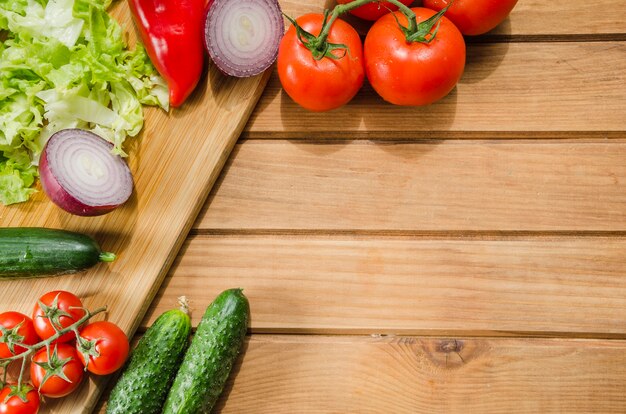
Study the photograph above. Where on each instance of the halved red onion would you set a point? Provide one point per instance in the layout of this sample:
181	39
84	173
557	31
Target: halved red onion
79	173
242	36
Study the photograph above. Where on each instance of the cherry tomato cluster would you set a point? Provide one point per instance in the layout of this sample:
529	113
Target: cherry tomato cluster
60	344
408	60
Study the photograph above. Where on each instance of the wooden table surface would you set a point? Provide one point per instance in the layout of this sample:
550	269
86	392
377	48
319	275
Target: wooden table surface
465	257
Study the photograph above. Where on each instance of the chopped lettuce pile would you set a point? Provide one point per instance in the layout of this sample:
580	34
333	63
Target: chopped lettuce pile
65	64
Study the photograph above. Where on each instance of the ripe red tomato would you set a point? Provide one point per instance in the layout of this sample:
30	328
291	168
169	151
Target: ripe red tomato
474	17
11	400
25	334
57	305
46	374
107	347
374	11
325	84
413	73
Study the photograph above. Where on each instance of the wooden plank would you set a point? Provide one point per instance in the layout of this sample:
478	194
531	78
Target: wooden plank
555	90
573	18
174	162
431	186
317	374
323	284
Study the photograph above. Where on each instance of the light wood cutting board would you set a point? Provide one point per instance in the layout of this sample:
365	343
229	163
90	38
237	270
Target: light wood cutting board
175	161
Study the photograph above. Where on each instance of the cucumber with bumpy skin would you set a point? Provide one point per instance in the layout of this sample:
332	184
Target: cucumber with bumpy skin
211	355
143	386
37	251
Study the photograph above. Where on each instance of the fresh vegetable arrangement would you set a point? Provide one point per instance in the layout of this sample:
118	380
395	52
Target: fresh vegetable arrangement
65	64
61	344
411	56
35	252
156	381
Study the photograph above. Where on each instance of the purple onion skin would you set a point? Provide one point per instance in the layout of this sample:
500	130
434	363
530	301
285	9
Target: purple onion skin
61	197
217	59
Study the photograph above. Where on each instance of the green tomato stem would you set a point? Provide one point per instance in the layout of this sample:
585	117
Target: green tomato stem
344	8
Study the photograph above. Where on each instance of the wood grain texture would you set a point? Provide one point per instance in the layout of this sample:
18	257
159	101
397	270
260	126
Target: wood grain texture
174	162
428	186
530	18
322	284
424	375
555	90
402	375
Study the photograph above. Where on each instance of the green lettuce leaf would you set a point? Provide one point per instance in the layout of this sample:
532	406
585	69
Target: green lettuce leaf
65	64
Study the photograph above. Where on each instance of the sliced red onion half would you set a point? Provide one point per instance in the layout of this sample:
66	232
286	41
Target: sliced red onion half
242	36
79	173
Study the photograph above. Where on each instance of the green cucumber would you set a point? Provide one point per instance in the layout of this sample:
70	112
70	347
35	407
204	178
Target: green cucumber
211	355
36	251
143	385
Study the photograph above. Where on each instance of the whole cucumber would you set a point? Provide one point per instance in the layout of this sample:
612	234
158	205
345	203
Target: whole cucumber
143	385
36	251
211	355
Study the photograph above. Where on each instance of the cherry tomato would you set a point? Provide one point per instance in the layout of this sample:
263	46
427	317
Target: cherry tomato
11	401
474	17
57	305
374	11
107	347
45	374
25	334
413	73
325	84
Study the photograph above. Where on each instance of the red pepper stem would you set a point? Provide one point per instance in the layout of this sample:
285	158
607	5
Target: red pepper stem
344	8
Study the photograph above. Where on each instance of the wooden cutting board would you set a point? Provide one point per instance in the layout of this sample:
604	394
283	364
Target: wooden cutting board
175	161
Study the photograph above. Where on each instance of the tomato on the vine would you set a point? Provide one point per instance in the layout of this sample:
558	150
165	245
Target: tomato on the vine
15	328
19	400
58	375
474	17
102	347
413	73
59	307
326	83
375	10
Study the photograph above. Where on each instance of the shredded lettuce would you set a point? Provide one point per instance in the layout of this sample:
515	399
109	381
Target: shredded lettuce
65	64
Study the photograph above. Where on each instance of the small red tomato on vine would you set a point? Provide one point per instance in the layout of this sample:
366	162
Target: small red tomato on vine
375	10
57	374
320	73
16	399
474	17
102	347
15	328
60	308
416	63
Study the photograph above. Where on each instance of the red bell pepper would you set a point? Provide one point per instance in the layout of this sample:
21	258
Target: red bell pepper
172	32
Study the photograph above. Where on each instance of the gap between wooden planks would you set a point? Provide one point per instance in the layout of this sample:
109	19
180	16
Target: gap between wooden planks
356	374
509	90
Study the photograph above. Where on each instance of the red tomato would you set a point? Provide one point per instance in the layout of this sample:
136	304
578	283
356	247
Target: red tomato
25	334
46	374
56	306
374	11
474	17
106	346
413	73
325	84
11	401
